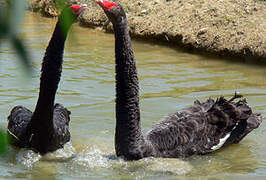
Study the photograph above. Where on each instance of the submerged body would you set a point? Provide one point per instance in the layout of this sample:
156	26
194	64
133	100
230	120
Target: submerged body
199	129
47	128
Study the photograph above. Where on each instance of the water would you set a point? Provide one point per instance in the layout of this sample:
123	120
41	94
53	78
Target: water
169	80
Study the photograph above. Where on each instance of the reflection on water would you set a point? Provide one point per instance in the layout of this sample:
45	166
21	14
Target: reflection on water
169	79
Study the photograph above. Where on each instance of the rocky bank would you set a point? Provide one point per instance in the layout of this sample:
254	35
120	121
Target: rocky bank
227	28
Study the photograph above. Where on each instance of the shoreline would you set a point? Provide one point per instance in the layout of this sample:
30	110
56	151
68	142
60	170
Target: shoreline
221	29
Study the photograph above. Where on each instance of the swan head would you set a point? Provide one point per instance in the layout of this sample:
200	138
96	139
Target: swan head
70	12
113	11
77	9
69	15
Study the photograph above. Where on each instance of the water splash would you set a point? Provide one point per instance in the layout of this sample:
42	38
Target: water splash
92	158
64	154
170	166
27	157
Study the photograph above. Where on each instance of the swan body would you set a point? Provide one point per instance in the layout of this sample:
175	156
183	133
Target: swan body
47	128
202	128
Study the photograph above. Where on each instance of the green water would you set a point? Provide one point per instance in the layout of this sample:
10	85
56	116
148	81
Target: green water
169	81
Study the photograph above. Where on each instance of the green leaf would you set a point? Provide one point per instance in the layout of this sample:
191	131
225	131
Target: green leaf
10	18
3	142
16	12
22	53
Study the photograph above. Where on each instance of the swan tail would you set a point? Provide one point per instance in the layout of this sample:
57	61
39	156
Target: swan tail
244	127
233	120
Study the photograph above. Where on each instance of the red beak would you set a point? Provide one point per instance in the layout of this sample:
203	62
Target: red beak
77	9
106	5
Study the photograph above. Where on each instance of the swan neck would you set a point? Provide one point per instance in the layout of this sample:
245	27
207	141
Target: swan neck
50	77
128	130
127	87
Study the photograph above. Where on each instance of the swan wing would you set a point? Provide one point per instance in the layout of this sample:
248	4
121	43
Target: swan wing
203	128
61	120
18	121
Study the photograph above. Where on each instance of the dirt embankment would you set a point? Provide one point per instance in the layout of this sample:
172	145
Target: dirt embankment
223	28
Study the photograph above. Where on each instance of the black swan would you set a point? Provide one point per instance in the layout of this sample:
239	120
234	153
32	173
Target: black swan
47	128
202	128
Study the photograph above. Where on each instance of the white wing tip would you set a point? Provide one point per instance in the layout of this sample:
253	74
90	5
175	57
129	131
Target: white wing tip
221	142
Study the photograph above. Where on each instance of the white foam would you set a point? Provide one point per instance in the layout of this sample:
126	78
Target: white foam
92	158
61	154
169	165
27	157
